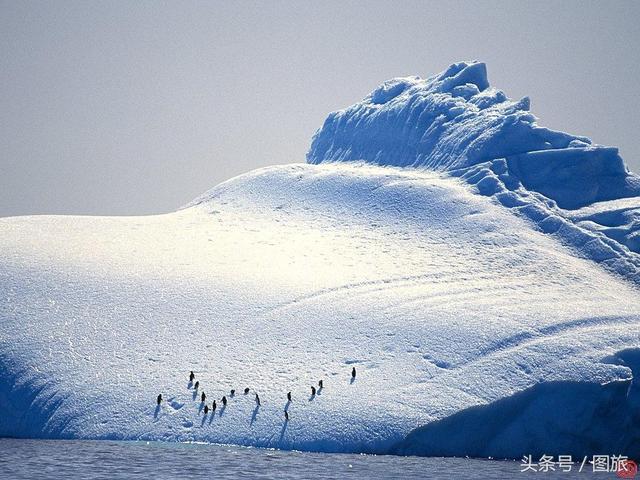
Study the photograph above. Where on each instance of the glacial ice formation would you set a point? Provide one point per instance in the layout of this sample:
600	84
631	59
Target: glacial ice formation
479	271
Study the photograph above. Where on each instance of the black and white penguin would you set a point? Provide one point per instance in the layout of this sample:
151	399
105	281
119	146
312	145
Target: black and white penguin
246	390
286	416
203	397
159	399
213	407
224	400
191	376
257	399
289	396
313	390
206	409
196	385
353	372
320	384
233	392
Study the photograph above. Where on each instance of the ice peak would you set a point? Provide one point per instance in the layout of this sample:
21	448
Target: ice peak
455	120
458	79
451	120
463	73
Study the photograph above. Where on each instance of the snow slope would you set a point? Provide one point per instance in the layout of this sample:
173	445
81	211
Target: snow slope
473	330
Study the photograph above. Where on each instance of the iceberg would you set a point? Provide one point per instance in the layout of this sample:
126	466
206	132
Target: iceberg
480	273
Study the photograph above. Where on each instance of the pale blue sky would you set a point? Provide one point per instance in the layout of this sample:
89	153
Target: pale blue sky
119	107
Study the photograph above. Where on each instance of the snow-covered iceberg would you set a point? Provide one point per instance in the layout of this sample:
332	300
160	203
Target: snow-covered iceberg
474	328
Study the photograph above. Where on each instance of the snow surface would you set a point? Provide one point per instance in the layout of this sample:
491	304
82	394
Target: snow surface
475	329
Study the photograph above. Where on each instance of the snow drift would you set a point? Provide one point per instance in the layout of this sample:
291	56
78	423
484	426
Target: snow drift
475	329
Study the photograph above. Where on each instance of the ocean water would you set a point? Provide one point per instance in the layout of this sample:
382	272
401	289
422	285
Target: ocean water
78	459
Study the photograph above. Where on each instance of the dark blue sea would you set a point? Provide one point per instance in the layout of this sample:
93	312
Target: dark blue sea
61	459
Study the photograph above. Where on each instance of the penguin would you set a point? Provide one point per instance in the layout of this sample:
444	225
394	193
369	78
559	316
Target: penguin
159	399
233	392
191	376
286	416
257	399
313	390
213	407
203	397
353	372
246	390
206	409
224	400
320	384
289	396
196	385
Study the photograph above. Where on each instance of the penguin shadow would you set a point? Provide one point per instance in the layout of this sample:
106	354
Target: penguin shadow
195	394
222	409
312	397
157	411
254	416
189	385
212	417
353	379
204	419
284	429
201	407
286	406
319	391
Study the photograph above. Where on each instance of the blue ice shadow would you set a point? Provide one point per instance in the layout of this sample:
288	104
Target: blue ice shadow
284	429
254	415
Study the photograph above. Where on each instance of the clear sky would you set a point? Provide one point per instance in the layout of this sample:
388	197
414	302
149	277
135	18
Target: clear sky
122	107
